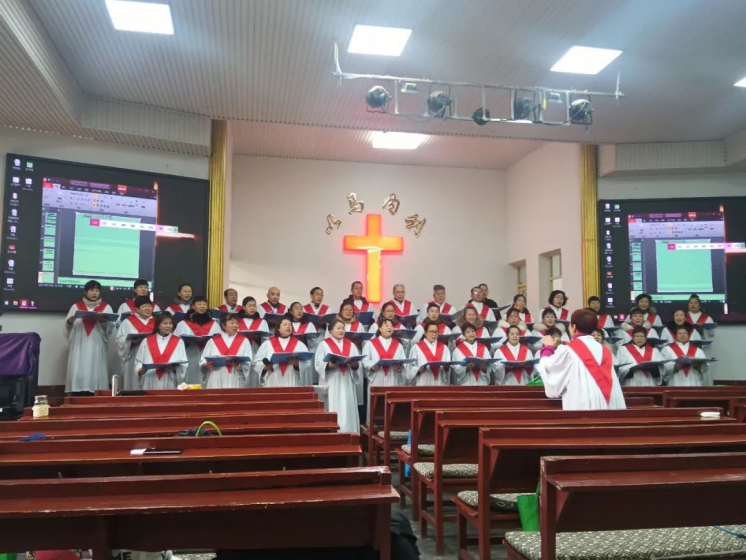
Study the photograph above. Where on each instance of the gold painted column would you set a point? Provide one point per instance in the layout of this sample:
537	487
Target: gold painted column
215	242
589	221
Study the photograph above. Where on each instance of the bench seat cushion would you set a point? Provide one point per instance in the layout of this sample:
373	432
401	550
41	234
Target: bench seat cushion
498	502
463	470
688	542
424	449
396	436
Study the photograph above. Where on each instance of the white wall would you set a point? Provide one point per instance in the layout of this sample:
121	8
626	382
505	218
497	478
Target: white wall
53	363
280	205
543	207
729	340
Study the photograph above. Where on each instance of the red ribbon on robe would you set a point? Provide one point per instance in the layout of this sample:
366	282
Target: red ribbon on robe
253	326
226	350
403	311
602	373
701	321
691	352
483	313
157	356
90	322
481	349
141	327
430	357
345	351
302	328
646	357
268	308
384	354
323	309
510	357
277	349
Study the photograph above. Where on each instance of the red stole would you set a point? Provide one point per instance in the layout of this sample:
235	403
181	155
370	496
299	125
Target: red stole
355	327
157	356
646	357
364	307
602	373
430	357
405	310
225	309
602	320
176	308
323	309
131	304
441	327
521	357
690	353
277	349
483	313
268	308
141	327
701	321
526	317
384	354
199	330
302	328
563	314
226	350
651	317
445	309
523	333
90	322
345	351
253	326
481	349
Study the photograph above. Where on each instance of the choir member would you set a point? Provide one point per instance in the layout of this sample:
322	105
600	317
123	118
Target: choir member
231	302
252	322
678	375
292	372
404	307
477	302
644	303
139	322
356	296
141	288
183	300
491	303
199	322
549	321
557	302
668	333
519	302
637	319
233	375
439	297
384	347
599	335
347	316
512	319
581	372
698	318
316	307
301	327
513	351
471	317
88	339
433	314
427	351
637	352
388	311
341	378
605	320
474	373
162	347
272	305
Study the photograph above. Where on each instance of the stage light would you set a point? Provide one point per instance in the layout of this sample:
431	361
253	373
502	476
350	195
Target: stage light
437	103
481	116
740	83
580	111
396	140
585	60
522	108
144	17
377	98
409	87
384	41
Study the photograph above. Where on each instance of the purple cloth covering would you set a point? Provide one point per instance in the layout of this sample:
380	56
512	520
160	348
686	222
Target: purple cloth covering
19	354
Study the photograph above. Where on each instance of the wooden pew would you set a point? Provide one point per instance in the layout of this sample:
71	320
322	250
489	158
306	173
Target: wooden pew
111	457
190	396
469	420
147	410
259	510
256	422
706	396
245	391
663	491
509	460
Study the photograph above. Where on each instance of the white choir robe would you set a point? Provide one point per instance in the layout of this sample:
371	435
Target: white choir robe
225	308
281	308
244	326
668	337
678	378
220	377
503	377
427	378
380	378
538	332
565	375
526	317
193	351
626	336
420	333
605	321
401	308
172	377
478	305
656	322
88	355
127	351
463	375
501	332
274	377
313	343
178	308
559	312
445	309
482	332
627	361
125	308
344	389
694	319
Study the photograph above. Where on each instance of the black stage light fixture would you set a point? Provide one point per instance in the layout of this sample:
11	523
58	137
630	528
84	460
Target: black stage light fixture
377	99
481	116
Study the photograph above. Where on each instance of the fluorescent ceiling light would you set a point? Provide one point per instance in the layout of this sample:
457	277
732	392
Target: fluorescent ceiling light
585	60
740	83
144	17
384	41
397	140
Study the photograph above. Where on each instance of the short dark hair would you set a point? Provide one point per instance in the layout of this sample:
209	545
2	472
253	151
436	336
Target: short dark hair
483	284
556	293
355	282
142	300
594	298
91	285
515	297
160	318
181	286
335	322
195	299
512	310
228	317
636	311
686	326
584	320
694	296
142	282
553	331
428	323
225	292
643	296
468	326
640	329
429	307
514	327
438	287
548	311
285	318
246	300
313	290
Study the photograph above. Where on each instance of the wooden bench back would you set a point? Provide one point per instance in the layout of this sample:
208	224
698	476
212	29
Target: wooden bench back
188	397
246	391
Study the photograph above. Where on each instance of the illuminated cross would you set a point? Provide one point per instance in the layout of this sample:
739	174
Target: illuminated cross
374	245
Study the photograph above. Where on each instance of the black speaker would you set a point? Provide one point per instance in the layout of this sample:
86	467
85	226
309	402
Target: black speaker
13	396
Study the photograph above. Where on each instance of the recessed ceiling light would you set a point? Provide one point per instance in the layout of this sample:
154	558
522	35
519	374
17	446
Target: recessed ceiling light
740	83
384	41
144	17
585	60
397	140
